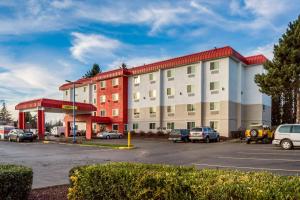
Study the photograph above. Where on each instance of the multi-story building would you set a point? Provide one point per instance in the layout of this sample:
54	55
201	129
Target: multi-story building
211	88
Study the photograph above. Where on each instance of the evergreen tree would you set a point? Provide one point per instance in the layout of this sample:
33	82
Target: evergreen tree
282	73
123	66
93	72
31	120
5	115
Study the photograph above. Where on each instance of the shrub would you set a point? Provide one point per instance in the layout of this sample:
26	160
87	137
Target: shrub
143	181
15	182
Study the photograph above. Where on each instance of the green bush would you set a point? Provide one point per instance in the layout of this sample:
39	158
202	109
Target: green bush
15	182
142	181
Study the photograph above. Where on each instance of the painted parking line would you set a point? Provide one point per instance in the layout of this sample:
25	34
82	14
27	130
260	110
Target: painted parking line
265	159
247	167
267	153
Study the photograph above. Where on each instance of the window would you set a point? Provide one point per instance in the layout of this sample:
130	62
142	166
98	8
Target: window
95	113
170	109
136	96
170	91
213	125
170	73
102	113
102	99
152	93
191	70
115	97
115	82
66	92
296	129
214	66
95	87
84	89
190	89
190	125
214	106
136	80
152	110
190	107
151	77
136	111
94	100
126	127
115	112
170	125
214	86
115	127
102	84
285	129
151	126
135	126
95	126
84	101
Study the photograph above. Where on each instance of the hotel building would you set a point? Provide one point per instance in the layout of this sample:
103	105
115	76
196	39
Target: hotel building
211	88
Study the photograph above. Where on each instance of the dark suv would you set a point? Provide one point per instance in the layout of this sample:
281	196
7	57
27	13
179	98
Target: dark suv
179	135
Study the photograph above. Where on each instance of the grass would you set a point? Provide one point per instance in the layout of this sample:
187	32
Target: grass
87	143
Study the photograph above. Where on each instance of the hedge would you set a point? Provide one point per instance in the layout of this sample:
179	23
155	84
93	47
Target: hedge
143	181
15	182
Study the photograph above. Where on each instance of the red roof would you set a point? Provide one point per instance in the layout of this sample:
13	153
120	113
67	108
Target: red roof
51	103
222	52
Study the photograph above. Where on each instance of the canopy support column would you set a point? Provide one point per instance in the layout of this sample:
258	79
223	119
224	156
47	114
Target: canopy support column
21	121
41	124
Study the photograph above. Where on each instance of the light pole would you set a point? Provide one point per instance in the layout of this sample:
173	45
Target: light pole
74	113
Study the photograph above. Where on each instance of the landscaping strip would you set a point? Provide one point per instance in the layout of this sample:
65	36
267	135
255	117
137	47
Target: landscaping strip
135	181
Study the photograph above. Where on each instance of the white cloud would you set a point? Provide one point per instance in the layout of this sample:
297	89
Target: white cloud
26	80
85	46
266	50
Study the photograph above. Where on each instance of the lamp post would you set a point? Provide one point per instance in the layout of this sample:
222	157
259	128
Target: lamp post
74	113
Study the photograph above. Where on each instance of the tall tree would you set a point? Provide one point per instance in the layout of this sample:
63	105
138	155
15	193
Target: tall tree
282	73
93	72
5	115
31	120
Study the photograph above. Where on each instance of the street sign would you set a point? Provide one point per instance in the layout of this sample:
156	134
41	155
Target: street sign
68	107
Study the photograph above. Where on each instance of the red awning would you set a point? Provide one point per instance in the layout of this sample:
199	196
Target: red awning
54	104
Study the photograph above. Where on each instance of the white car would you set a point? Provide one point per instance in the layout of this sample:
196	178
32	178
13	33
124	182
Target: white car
287	136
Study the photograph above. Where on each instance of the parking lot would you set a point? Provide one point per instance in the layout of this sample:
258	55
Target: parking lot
52	162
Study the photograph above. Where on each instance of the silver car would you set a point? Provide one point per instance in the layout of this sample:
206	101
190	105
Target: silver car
205	134
287	136
109	135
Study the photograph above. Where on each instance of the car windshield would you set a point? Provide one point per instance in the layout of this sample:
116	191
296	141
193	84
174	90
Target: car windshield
197	129
175	132
20	131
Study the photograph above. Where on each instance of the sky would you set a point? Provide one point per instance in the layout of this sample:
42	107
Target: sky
43	42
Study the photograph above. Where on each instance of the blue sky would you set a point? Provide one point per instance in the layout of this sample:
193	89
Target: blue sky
44	42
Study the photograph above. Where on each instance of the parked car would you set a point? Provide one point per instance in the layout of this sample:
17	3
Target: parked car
259	132
287	136
179	135
109	135
205	134
20	135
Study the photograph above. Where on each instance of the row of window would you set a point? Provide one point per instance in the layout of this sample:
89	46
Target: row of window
115	112
191	70
171	125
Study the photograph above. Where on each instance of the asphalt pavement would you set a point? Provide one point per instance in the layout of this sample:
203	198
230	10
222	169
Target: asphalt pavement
52	162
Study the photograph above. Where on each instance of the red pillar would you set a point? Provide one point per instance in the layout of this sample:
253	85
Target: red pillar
67	129
21	120
41	124
89	129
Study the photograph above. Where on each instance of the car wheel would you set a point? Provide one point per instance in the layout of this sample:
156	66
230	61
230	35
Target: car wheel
31	140
107	137
207	140
286	144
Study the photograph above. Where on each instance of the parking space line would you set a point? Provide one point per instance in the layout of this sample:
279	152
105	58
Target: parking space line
267	153
246	167
237	158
